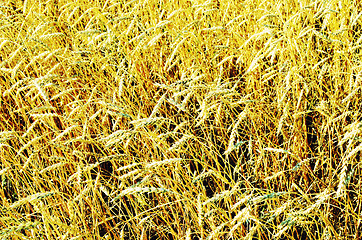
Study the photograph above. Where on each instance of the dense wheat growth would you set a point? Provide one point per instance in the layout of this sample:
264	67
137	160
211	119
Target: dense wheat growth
155	119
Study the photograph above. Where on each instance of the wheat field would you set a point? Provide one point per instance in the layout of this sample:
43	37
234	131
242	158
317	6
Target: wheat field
155	119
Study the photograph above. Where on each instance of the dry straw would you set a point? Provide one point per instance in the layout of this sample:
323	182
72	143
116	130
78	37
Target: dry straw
196	119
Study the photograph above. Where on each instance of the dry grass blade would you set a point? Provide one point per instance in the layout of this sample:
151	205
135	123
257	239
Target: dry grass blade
32	198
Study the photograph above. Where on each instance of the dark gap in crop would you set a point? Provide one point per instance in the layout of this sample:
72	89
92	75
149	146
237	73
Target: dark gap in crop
356	34
336	212
299	233
9	189
312	137
235	70
195	167
154	234
210	186
19	121
174	71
